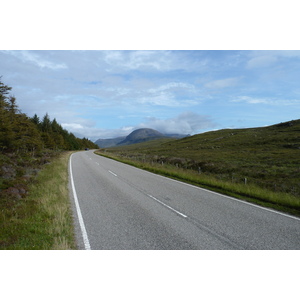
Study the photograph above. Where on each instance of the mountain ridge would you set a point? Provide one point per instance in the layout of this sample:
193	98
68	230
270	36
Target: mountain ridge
137	136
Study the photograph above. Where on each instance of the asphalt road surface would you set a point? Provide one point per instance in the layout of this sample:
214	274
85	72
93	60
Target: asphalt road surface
117	206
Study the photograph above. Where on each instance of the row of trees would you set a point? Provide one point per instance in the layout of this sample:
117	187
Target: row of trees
18	132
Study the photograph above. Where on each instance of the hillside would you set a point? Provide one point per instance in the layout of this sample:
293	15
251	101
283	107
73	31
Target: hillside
266	156
107	143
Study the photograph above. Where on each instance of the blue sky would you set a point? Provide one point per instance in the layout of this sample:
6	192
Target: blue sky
104	94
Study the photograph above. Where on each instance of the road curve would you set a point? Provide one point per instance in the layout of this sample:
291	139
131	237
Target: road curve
117	206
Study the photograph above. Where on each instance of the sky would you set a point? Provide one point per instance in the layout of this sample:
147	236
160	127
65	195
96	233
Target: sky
105	94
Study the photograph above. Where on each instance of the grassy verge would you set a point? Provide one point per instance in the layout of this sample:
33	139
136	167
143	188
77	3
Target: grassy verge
249	192
43	219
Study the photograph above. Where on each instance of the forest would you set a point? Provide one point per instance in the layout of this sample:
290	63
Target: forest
27	143
20	133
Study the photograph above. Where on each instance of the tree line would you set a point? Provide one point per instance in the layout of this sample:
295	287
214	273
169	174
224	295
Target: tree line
21	133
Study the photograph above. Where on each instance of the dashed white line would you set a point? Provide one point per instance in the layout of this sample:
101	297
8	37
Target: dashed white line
112	173
176	211
80	218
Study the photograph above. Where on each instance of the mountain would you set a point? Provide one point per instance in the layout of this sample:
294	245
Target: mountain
141	135
137	136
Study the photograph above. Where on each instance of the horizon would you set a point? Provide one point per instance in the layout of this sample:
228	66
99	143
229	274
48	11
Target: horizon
188	135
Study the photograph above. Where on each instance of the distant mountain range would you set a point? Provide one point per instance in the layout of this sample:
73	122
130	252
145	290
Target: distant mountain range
135	137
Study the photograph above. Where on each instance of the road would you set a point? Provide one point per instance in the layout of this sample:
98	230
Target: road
117	206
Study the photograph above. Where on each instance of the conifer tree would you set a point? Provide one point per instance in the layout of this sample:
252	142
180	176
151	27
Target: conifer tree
4	89
36	120
6	128
46	123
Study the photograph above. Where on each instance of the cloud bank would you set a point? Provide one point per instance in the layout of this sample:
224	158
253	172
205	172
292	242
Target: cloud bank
185	123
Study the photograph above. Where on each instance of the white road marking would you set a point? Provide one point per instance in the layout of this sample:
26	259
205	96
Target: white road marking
112	173
228	197
80	218
176	211
224	196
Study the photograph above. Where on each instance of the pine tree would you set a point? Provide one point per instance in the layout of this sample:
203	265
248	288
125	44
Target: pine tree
36	120
4	89
13	107
46	124
6	128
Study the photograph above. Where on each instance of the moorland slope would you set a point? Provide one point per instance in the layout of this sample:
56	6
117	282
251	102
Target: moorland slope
268	157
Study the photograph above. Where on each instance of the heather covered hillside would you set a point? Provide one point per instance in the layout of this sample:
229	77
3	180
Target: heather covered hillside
266	157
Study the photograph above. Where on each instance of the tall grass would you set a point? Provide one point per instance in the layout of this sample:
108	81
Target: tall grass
249	192
42	220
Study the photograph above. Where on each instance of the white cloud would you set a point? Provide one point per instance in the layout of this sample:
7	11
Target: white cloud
161	99
154	61
172	86
222	83
267	58
137	60
261	61
185	123
140	59
169	95
37	60
268	101
250	100
94	133
72	126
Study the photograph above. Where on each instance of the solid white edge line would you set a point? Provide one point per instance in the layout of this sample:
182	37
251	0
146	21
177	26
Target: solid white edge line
80	218
176	211
225	196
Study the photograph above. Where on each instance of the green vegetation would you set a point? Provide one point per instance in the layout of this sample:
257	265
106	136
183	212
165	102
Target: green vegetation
43	219
256	164
30	148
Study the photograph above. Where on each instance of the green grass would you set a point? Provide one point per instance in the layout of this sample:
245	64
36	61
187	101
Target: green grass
260	165
43	219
